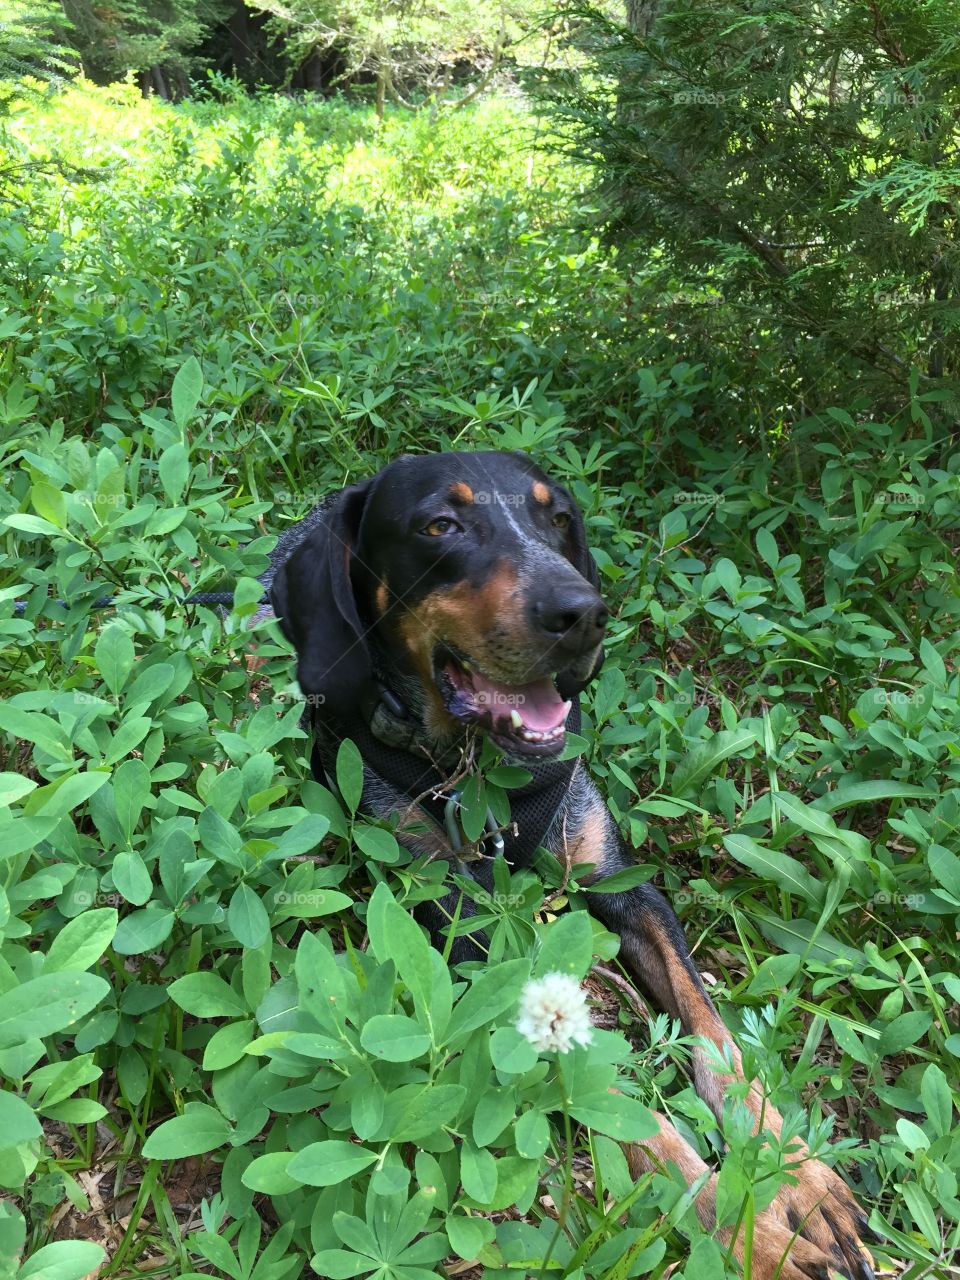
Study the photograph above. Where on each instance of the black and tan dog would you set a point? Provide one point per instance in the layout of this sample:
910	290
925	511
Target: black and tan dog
455	593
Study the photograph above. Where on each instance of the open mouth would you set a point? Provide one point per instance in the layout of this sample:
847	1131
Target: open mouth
526	718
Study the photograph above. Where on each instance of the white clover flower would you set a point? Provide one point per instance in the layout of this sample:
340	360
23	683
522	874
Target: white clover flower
553	1013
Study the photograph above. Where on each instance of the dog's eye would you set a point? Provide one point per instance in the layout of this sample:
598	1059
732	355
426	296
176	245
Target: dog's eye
561	520
437	528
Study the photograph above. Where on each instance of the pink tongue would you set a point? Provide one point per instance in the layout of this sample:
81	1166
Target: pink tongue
539	704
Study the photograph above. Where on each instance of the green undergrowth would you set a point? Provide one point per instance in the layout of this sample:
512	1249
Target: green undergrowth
226	1048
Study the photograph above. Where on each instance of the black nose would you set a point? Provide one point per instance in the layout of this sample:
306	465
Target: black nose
573	614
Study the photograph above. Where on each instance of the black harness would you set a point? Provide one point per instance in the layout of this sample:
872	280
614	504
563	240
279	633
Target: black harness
533	807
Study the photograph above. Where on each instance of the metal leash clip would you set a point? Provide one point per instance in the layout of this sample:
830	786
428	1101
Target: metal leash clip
490	847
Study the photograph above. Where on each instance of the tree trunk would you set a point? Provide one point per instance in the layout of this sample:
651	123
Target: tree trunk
160	84
641	15
238	40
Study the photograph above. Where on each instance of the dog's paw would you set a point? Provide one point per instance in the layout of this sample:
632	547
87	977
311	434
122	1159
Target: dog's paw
778	1256
831	1224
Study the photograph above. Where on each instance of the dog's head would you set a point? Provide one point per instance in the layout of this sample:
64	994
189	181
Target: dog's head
465	580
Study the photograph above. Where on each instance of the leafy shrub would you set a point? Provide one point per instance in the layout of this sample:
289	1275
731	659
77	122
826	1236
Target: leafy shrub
775	176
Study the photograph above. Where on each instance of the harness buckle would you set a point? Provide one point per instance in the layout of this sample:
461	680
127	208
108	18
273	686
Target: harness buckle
456	835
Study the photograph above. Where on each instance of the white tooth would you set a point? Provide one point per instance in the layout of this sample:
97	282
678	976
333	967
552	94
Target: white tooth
566	709
516	719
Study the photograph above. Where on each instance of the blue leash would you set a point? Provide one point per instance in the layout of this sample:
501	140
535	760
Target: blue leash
202	597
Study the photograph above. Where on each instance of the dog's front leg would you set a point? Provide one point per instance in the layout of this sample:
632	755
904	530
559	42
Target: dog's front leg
654	950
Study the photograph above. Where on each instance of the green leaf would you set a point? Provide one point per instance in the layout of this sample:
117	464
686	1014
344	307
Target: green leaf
306	904
199	1130
303	836
174	471
933	664
350	774
478	1172
66	794
247	918
18	835
58	1081
937	1099
63	1260
376	843
493	1111
143	930
945	868
131	792
82	941
18	1121
322	1164
426	1110
532	1134
468	1236
815	821
616	1115
512	1052
218	836
911	1135
728	576
37	728
247	594
131	877
339	1264
802	937
43	1006
13	787
114	654
517	1183
774	865
870	792
850	1042
703	760
628	878
13	1234
269	1174
733	1190
31	524
491	993
566	946
394	935
206	995
767	547
706	1260
185	392
903	1032
918	1202
49	503
394	1037
228	1044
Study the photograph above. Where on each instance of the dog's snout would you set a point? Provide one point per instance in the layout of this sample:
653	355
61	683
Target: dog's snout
572	613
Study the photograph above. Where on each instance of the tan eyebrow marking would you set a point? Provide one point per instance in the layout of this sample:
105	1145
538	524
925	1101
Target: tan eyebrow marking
461	491
541	493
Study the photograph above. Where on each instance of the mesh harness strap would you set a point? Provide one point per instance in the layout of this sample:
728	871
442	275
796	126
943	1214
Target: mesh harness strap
533	807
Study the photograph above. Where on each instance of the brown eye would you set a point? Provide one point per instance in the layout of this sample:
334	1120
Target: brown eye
437	528
561	520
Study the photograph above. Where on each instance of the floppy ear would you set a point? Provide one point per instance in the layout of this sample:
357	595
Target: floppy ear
580	556
313	598
574	681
